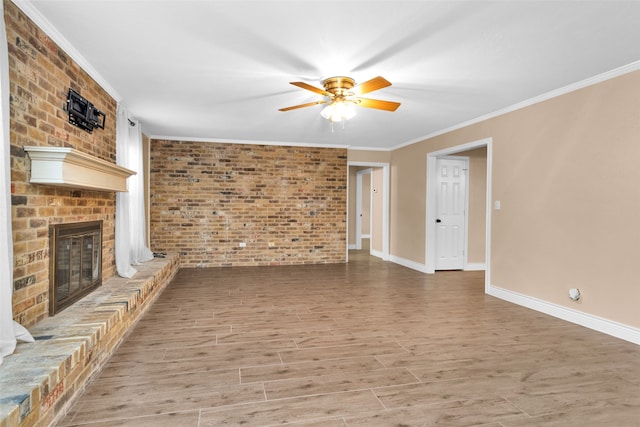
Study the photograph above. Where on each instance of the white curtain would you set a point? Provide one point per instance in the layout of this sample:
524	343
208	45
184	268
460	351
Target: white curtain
9	330
131	248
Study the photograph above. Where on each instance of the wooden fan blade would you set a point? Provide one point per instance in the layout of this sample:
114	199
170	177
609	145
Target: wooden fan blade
314	89
378	104
371	85
309	104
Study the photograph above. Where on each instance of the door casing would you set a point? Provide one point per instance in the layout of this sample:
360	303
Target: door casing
430	216
385	205
359	202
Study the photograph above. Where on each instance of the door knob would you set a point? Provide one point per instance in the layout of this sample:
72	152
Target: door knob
438	220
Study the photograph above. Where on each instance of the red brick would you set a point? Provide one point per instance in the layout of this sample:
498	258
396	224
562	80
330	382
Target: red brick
232	193
39	82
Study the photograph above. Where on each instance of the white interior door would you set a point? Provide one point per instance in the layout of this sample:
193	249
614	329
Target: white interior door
451	212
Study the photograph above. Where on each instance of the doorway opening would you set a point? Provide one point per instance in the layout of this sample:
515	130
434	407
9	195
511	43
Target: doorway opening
484	230
378	205
364	209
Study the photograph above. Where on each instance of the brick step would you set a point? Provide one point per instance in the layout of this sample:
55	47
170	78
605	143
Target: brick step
41	380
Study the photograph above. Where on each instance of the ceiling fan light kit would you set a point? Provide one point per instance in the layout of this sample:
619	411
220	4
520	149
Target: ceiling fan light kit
339	111
343	95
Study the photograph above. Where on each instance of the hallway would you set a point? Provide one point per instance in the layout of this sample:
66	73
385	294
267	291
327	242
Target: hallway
363	343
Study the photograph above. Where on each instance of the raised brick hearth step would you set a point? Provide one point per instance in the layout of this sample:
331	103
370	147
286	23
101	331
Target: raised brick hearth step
39	381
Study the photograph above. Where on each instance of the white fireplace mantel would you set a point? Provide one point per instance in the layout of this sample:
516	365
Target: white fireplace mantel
71	168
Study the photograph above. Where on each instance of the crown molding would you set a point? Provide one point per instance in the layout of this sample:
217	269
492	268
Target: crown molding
359	148
34	14
608	75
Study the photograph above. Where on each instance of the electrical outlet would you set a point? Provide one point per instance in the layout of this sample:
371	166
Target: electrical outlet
243	244
271	244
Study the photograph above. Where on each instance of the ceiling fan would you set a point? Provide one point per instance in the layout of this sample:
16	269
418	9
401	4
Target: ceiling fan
343	95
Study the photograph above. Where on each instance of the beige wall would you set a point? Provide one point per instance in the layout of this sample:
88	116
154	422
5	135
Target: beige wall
566	173
366	204
561	169
408	200
377	178
351	197
369	156
477	204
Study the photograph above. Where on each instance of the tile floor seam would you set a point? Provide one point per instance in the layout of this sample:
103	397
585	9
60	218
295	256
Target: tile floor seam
375	356
403	347
262	365
111	420
384	407
324	375
515	405
415	376
311	420
305	396
164	354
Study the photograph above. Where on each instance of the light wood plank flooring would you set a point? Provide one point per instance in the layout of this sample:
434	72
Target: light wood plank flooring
365	343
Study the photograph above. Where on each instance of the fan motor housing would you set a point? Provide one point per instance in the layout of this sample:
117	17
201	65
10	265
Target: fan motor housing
338	85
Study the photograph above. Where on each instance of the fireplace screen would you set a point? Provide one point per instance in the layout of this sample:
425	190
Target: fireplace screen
76	262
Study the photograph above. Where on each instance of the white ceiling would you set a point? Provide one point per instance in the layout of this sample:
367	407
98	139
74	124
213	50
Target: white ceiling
219	70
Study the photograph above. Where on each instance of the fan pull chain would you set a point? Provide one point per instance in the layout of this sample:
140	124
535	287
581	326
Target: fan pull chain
341	121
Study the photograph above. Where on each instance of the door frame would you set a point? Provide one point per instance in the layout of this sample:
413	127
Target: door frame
465	244
430	226
359	191
385	205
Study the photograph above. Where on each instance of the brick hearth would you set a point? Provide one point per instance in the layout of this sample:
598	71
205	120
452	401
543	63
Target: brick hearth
41	380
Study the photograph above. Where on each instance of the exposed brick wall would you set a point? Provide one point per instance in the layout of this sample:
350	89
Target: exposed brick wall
288	204
40	77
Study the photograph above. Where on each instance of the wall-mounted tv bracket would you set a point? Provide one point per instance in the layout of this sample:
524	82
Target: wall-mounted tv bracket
82	113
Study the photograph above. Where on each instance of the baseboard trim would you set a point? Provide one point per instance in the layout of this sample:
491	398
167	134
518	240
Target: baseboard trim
475	266
378	254
408	263
609	327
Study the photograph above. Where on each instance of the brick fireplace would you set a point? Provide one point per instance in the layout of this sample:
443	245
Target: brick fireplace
41	74
41	380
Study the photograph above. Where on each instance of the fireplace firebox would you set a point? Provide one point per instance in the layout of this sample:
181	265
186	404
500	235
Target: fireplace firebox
75	252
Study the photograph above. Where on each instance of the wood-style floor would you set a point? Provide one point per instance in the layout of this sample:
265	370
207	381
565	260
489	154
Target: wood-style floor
365	343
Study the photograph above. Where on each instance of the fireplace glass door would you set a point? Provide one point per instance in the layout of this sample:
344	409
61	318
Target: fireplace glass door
76	262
